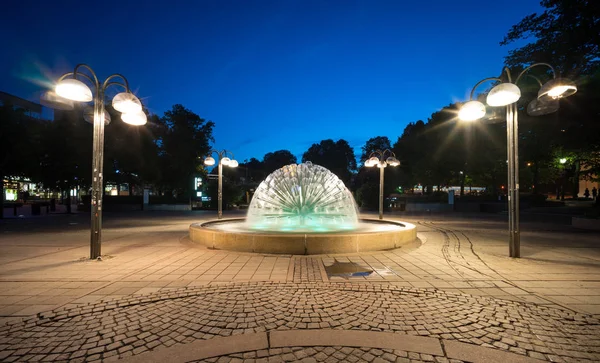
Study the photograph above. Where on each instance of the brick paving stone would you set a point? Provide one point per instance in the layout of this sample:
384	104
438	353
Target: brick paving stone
186	314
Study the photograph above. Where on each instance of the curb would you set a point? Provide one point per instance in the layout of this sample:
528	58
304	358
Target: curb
216	347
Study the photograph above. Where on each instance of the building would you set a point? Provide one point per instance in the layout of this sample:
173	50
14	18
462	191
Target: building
31	109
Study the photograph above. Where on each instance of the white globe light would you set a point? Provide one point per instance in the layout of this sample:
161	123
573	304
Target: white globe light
539	108
392	161
74	90
225	161
557	88
503	94
209	161
136	119
52	100
233	164
471	111
126	102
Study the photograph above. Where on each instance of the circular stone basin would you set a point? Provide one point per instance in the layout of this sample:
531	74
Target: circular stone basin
235	235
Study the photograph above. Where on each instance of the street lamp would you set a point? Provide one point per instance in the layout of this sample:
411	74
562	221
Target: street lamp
223	160
378	158
507	94
70	89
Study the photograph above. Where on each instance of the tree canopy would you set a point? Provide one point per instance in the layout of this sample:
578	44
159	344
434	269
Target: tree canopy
277	159
337	156
566	34
183	139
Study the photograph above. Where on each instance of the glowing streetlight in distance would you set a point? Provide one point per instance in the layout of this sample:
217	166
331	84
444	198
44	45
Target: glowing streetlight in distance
209	161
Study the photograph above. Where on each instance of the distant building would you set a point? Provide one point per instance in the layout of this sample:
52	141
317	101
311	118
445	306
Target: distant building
15	187
31	109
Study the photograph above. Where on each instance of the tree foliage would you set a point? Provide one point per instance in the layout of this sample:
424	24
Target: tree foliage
566	34
183	138
373	144
277	159
337	156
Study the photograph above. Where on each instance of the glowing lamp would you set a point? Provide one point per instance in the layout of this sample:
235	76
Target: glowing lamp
88	115
74	90
392	161
126	102
557	88
382	164
563	160
209	161
52	100
539	107
372	161
136	119
225	161
471	111
503	94
233	163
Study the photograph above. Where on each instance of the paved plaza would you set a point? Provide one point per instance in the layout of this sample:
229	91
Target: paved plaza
452	296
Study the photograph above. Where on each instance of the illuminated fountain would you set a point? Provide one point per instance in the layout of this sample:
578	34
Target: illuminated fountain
302	198
302	209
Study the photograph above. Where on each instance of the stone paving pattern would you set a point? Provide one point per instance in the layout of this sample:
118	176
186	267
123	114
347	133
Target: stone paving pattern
123	327
330	354
154	289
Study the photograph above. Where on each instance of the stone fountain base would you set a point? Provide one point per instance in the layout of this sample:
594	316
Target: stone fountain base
373	235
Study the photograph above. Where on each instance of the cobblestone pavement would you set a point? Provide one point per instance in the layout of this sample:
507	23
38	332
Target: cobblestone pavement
132	325
330	354
307	269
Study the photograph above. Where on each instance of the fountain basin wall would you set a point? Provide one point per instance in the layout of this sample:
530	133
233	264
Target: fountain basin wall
384	235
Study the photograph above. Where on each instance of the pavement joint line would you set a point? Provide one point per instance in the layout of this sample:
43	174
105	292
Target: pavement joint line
202	349
291	268
324	275
221	346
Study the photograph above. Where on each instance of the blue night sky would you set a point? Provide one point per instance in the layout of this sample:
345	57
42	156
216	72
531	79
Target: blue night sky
272	75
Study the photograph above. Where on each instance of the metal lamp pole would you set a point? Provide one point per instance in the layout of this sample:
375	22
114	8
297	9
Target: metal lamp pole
223	159
75	90
378	158
507	94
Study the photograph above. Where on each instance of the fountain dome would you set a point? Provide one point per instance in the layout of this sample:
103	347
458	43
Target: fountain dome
302	198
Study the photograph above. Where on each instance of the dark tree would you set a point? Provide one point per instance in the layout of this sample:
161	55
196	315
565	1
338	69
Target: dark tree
277	159
131	153
183	139
337	156
566	35
373	144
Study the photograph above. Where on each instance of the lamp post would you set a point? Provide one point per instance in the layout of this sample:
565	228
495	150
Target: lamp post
378	158
70	89
223	160
506	94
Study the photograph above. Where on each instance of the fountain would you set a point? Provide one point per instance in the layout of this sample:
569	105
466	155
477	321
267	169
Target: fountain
302	209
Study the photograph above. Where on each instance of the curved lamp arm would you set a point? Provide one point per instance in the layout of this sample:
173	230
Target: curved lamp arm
481	82
81	65
381	154
535	65
117	75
